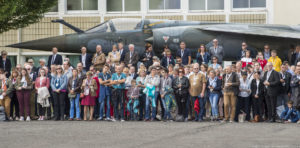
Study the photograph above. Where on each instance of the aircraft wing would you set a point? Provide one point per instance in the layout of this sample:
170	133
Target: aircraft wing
278	31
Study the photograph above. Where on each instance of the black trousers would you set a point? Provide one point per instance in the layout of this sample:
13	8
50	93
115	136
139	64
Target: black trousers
181	103
271	106
41	110
59	105
256	103
14	103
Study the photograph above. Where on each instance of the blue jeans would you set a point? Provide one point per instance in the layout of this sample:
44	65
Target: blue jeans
148	101
214	100
74	102
102	107
167	114
201	106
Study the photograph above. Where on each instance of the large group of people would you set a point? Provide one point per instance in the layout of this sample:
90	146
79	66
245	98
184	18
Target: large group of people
126	86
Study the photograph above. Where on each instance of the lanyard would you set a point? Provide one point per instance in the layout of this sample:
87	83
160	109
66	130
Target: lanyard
227	77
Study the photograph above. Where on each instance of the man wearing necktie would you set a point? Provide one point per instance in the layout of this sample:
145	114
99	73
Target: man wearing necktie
217	50
131	57
168	59
272	82
185	54
5	63
54	59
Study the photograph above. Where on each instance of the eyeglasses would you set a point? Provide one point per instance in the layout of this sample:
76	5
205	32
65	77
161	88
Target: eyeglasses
58	68
180	72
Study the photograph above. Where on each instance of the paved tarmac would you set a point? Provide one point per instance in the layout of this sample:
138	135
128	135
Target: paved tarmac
83	134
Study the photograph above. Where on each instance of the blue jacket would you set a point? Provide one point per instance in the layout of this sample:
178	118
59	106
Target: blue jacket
63	81
204	60
292	115
185	57
218	87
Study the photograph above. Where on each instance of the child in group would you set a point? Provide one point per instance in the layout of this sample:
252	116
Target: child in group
133	100
290	114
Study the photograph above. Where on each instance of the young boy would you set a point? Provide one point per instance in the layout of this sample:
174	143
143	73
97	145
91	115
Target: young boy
289	115
133	96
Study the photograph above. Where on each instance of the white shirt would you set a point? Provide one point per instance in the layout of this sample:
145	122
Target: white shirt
245	85
83	59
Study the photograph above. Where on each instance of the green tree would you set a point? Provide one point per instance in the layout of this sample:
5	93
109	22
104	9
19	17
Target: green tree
16	14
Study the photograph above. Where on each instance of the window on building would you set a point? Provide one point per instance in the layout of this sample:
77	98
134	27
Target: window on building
164	4
249	3
206	4
82	4
123	5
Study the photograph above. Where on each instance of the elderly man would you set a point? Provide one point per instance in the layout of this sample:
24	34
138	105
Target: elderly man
85	58
42	63
217	50
131	57
230	87
99	58
197	90
271	81
5	63
31	63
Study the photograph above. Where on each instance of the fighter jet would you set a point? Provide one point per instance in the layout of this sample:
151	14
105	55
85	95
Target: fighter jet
161	33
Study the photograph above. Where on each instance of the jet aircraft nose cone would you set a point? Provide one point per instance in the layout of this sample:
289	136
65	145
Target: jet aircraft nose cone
46	44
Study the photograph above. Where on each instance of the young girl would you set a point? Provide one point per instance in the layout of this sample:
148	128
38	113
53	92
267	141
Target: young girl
89	87
261	60
23	87
247	59
42	81
133	95
59	89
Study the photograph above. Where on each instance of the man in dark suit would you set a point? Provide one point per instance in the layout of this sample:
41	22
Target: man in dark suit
132	72
168	59
54	59
122	51
295	56
271	81
131	57
243	52
285	89
85	59
185	54
5	63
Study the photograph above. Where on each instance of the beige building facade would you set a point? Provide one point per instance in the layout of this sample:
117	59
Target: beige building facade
85	14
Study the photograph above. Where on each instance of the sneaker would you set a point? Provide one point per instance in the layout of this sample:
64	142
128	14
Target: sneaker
298	122
17	118
107	119
28	118
42	118
21	118
100	119
113	120
122	120
230	121
10	119
186	120
39	118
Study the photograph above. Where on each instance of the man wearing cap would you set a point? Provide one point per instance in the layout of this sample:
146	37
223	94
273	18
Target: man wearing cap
5	63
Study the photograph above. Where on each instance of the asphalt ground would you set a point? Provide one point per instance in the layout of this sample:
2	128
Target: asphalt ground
101	134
